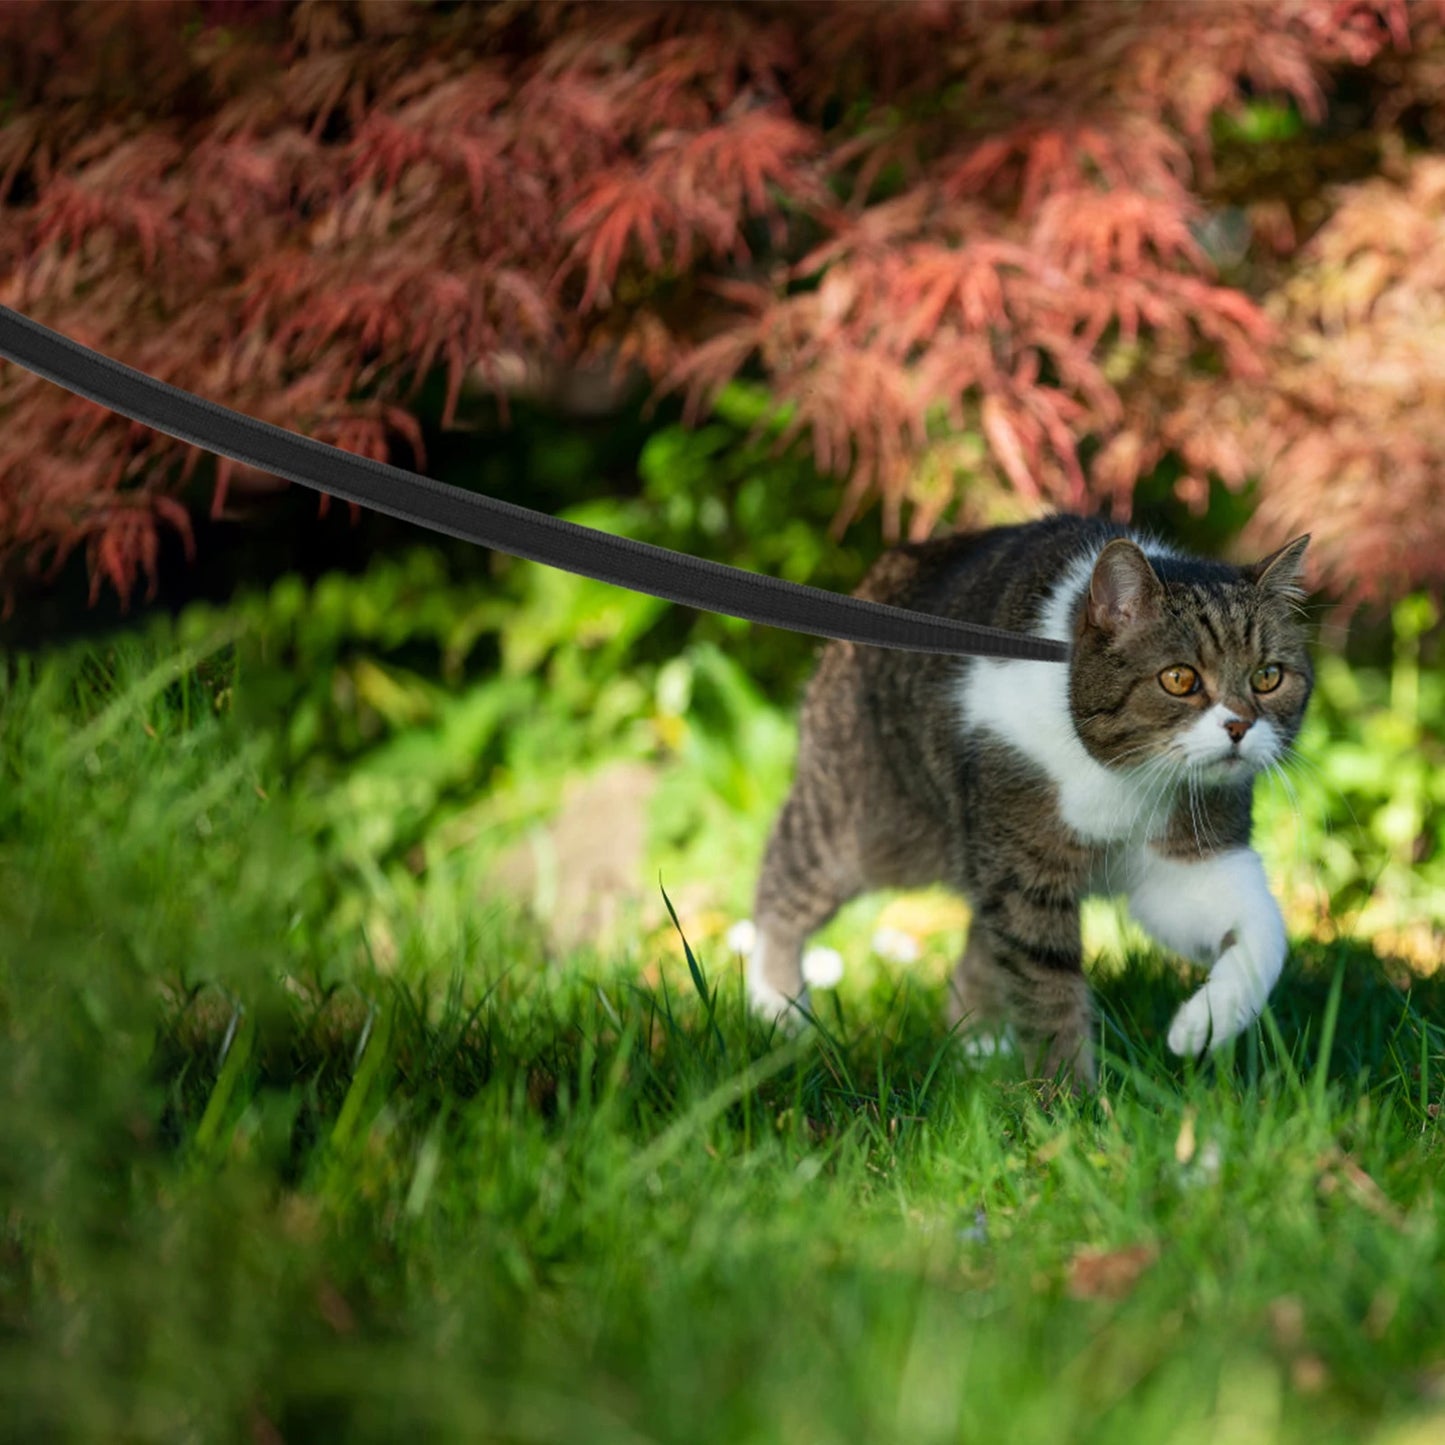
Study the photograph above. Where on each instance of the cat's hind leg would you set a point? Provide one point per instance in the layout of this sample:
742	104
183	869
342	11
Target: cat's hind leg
1035	985
1059	1020
810	870
978	1001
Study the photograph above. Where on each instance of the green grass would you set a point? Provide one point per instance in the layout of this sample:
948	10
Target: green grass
261	1179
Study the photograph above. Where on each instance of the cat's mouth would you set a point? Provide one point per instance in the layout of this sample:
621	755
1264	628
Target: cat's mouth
1227	766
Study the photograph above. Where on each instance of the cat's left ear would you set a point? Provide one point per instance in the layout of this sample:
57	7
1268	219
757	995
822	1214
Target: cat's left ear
1281	572
1124	590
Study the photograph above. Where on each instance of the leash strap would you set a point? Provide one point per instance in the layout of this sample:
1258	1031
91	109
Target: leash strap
488	522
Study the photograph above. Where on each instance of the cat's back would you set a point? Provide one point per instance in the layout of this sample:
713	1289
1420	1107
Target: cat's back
887	728
905	702
999	577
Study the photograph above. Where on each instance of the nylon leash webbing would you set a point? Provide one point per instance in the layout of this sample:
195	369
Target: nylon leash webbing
488	522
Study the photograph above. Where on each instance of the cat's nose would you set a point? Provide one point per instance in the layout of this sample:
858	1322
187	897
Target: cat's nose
1236	727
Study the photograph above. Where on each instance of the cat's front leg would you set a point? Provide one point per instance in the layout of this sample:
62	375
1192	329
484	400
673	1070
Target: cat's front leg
1218	905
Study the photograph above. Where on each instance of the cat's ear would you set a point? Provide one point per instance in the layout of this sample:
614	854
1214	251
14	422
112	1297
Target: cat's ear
1124	590
1282	572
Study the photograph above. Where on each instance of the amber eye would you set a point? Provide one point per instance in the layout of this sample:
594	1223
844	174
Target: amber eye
1179	681
1267	678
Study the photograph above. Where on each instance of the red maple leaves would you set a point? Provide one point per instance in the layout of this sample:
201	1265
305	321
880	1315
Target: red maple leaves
961	242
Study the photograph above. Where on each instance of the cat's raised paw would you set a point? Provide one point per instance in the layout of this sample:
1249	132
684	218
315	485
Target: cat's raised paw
1191	1028
1213	1016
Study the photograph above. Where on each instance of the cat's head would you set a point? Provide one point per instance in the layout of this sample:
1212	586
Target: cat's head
1202	663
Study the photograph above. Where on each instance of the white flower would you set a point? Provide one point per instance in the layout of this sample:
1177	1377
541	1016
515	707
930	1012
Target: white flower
896	946
823	967
742	935
986	1045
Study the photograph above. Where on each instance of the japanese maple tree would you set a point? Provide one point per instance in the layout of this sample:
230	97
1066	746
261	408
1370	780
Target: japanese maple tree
966	245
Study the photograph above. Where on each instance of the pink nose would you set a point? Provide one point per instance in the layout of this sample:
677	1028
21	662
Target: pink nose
1236	727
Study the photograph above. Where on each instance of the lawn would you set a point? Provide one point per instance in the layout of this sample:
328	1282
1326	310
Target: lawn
268	1176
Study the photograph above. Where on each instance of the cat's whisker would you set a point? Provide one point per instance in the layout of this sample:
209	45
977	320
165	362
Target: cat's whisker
1155	780
1294	758
1118	822
1144	775
1276	770
1211	835
1168	781
1276	767
1148	774
1280	766
1117	758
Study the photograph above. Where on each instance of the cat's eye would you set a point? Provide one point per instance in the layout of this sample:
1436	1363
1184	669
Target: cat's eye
1179	681
1267	678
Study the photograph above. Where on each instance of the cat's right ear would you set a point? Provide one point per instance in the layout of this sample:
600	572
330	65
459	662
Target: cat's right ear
1282	572
1124	590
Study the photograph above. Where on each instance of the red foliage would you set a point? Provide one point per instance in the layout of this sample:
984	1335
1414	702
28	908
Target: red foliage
918	222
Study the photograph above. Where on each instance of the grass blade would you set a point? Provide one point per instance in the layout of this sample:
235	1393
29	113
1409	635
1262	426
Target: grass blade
709	1001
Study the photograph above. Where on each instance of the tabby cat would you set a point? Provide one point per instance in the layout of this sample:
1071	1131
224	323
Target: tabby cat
1026	786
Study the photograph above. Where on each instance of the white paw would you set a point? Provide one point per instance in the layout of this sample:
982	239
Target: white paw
770	1003
1218	1012
1190	1030
789	1014
988	1045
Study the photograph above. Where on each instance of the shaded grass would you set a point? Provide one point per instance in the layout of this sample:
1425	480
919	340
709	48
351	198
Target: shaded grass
258	1185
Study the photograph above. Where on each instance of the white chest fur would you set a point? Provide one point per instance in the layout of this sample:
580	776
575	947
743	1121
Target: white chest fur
1026	705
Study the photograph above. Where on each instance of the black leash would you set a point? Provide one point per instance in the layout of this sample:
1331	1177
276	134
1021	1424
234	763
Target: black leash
502	526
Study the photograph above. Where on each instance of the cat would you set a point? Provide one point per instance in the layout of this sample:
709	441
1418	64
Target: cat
1026	786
